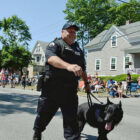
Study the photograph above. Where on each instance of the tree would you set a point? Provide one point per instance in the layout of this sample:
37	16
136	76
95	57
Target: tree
127	12
94	16
15	58
0	60
15	36
90	15
15	32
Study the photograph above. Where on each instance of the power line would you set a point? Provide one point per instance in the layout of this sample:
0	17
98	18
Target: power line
123	1
48	26
46	34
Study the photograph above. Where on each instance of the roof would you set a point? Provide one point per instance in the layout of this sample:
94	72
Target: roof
42	44
134	49
130	31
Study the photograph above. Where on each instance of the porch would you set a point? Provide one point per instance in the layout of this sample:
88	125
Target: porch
135	63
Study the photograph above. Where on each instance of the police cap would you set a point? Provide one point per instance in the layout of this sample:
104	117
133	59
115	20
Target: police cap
69	24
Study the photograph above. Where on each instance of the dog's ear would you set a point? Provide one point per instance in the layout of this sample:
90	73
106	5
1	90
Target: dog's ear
108	101
120	104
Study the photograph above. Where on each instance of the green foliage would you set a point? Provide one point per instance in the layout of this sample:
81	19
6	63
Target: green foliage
15	31
15	57
120	78
135	77
127	12
14	39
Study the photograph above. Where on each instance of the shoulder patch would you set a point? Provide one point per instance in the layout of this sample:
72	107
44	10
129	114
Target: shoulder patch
51	44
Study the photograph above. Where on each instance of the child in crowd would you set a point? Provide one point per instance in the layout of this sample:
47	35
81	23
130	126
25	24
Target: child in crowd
120	89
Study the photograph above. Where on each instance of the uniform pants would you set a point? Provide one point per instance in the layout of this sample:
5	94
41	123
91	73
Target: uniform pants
47	109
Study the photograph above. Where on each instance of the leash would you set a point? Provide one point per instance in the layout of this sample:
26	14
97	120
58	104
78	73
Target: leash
89	94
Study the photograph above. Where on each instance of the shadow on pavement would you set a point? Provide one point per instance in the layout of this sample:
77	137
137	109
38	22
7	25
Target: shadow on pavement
17	103
88	137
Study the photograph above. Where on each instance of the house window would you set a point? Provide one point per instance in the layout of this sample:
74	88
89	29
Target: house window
37	59
113	63
127	60
97	64
114	41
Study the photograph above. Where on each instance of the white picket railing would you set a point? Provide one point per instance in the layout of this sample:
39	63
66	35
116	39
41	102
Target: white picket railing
133	71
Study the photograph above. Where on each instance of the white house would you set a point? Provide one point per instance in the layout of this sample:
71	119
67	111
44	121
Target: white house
38	53
115	51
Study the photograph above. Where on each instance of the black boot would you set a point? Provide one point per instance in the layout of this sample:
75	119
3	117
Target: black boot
37	136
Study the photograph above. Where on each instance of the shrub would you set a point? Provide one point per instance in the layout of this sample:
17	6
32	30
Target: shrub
121	77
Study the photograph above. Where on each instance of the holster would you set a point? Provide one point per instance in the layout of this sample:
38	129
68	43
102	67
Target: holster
42	80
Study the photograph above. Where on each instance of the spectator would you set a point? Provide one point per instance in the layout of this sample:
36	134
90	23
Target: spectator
3	79
120	89
129	81
109	84
138	80
81	85
113	90
12	80
23	81
94	85
96	75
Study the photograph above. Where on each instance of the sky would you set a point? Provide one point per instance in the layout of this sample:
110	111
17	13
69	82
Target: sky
44	18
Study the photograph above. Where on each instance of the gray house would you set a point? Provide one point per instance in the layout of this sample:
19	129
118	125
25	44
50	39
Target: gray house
38	53
115	51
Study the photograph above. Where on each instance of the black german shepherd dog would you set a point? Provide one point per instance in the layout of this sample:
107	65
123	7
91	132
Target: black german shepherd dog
104	117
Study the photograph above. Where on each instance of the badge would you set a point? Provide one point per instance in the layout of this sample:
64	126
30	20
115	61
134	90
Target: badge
51	44
77	53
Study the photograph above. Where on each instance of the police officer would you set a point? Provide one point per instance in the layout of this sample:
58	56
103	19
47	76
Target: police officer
64	66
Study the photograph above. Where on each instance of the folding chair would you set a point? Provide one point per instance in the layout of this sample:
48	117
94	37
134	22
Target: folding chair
132	89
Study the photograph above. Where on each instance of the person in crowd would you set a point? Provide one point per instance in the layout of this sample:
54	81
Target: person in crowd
64	66
95	85
109	84
12	80
3	80
138	80
113	90
120	89
23	81
96	75
128	81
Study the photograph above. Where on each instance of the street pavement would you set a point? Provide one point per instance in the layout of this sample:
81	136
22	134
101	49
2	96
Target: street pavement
18	112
